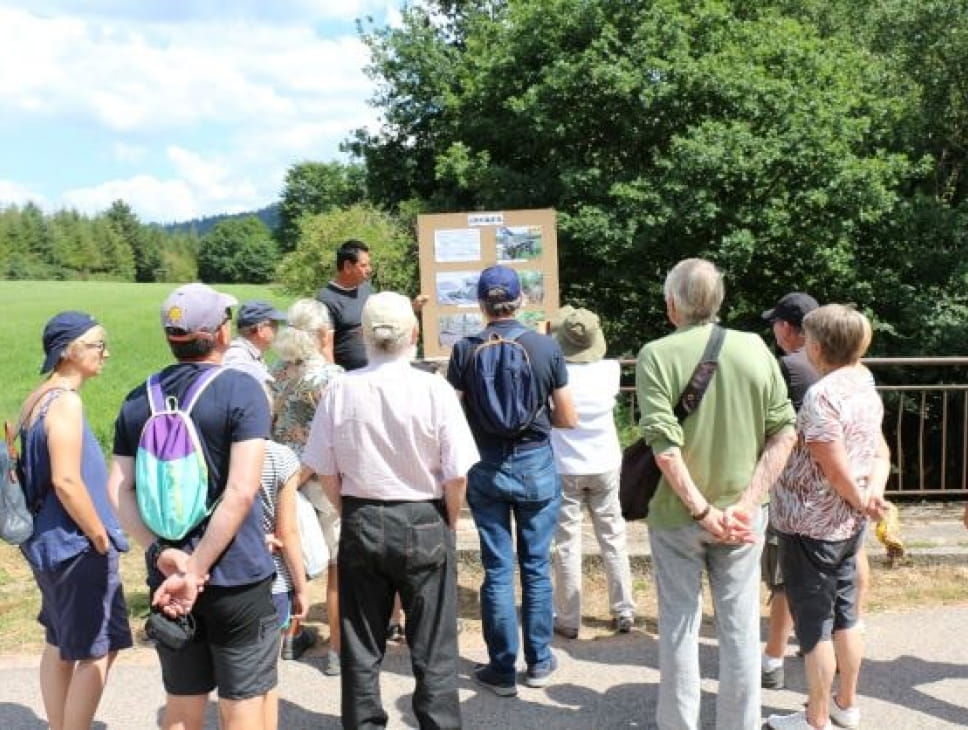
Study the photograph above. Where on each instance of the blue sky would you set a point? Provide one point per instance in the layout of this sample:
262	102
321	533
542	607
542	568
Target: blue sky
182	108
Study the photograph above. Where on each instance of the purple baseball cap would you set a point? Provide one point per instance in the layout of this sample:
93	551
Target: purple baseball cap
499	284
195	308
59	332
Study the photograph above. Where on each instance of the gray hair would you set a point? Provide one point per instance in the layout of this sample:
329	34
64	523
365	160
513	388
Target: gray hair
300	340
501	309
695	287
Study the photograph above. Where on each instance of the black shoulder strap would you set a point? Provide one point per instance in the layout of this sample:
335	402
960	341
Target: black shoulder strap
703	374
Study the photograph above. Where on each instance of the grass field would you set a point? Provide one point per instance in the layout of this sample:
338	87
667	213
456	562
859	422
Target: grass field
129	312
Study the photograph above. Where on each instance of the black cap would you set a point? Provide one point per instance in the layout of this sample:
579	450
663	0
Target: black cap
791	308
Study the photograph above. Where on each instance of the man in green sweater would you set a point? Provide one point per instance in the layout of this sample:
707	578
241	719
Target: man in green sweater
717	467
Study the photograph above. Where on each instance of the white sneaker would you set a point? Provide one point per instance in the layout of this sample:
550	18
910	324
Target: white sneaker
796	721
849	718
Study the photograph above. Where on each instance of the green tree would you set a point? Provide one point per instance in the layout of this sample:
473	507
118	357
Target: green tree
393	250
658	131
146	247
315	187
238	250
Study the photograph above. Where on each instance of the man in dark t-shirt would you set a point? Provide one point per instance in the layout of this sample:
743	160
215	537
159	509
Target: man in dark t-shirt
345	296
786	318
516	477
235	643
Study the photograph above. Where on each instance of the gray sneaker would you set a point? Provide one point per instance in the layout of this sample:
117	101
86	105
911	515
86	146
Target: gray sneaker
624	624
772	678
501	686
539	675
332	664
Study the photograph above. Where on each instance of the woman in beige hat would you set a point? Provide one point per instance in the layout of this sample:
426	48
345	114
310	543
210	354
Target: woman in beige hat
588	459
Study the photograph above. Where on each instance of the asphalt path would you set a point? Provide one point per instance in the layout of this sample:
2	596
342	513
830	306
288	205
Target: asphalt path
915	676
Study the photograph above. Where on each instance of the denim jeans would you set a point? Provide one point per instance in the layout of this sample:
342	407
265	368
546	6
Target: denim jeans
523	484
599	492
385	548
679	556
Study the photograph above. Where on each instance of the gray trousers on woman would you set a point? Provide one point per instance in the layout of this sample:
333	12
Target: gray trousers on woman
679	557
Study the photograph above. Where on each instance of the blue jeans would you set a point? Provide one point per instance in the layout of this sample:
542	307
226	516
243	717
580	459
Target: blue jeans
526	485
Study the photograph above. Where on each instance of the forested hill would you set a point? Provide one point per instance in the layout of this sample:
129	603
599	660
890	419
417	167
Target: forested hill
268	215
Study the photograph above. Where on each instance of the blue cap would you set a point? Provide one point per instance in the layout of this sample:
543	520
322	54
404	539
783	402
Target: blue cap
256	311
499	284
59	332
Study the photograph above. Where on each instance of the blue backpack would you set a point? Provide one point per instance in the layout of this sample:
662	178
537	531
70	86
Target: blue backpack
500	385
171	474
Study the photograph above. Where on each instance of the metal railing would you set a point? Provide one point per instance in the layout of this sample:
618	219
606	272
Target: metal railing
925	423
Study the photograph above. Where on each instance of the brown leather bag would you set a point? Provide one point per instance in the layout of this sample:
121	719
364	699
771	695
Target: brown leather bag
640	474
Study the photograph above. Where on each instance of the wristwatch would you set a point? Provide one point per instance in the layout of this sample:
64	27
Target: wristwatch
701	515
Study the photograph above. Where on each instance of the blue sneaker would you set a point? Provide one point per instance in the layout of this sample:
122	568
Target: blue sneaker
487	677
539	675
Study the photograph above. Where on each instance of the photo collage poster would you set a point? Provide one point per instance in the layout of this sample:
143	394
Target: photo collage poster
456	247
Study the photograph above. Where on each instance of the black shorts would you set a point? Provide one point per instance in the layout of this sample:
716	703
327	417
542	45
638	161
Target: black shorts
235	648
820	579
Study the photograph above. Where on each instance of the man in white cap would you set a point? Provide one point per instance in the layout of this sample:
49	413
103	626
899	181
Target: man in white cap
393	449
235	643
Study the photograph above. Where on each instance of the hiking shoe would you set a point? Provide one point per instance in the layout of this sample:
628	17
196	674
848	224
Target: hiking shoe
487	677
395	633
624	624
332	664
293	647
539	675
772	678
796	721
566	631
849	717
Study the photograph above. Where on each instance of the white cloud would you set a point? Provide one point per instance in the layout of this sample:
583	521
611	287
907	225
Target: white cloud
232	91
152	199
14	193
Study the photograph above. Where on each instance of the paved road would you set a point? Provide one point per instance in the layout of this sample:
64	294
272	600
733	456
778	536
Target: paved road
915	676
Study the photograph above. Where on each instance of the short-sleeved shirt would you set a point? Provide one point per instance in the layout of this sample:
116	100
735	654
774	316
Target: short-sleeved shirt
233	408
296	393
842	406
391	432
548	364
721	441
346	310
799	375
278	468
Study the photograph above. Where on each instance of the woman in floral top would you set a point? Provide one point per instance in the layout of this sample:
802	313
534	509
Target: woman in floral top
832	483
301	374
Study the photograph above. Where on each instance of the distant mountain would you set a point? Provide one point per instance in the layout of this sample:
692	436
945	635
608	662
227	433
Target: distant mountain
268	215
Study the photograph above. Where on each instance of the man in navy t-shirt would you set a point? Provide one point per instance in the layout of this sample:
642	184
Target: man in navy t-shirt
516	476
235	643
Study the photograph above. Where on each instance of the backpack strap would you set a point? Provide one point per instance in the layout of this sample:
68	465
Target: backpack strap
159	402
514	333
198	386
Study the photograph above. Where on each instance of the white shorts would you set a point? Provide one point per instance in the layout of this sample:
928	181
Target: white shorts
328	517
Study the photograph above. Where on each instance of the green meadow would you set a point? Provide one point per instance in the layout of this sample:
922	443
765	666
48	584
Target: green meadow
130	313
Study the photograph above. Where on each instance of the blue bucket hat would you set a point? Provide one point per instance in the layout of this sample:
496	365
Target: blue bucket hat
59	332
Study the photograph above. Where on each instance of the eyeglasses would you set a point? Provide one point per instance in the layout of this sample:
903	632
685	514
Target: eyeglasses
100	345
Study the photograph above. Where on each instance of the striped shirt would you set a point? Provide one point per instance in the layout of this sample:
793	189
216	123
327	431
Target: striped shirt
278	468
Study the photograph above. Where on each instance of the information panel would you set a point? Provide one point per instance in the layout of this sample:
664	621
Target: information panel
456	247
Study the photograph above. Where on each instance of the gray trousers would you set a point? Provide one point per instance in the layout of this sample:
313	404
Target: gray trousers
679	557
599	492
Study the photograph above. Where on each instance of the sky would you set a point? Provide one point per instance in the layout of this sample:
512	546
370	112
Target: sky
182	108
